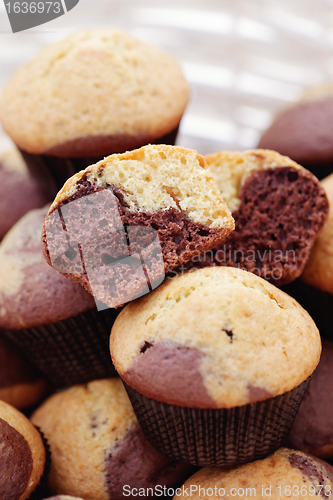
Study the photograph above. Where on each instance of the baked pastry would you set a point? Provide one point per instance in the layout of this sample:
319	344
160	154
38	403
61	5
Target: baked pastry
54	320
22	455
285	474
121	224
97	445
312	431
278	207
94	93
63	497
314	289
303	131
21	384
19	192
199	358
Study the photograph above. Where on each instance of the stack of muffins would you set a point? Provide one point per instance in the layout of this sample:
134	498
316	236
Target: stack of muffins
183	258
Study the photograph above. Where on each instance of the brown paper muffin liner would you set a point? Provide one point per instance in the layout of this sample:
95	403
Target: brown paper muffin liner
319	305
223	437
41	490
72	351
51	172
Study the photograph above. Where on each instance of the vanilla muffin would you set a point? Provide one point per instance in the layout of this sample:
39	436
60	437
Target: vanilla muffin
21	383
121	224
312	431
19	192
285	474
199	349
22	455
97	445
314	290
303	131
278	207
94	93
54	320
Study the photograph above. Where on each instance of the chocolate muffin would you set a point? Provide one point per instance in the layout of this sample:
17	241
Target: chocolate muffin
97	445
200	359
19	192
21	384
314	289
278	207
285	474
312	431
22	455
303	131
54	320
121	224
95	93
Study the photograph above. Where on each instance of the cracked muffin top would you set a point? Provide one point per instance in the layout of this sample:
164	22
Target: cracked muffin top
217	337
284	475
93	84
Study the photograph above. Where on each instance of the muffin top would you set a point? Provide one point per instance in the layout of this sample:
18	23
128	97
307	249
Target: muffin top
279	208
158	201
97	444
216	337
31	292
302	131
22	454
285	474
93	84
312	431
19	192
318	271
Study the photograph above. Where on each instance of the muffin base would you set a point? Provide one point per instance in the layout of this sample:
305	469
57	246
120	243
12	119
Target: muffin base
41	489
223	437
72	351
51	171
319	305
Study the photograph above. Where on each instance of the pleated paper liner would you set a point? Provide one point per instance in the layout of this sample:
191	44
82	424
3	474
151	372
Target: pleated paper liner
319	305
41	490
224	437
51	172
72	351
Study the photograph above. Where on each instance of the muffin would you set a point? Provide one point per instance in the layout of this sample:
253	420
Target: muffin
21	384
19	192
63	497
312	431
121	224
278	207
95	93
285	474
212	379
54	320
22	455
303	131
314	289
97	445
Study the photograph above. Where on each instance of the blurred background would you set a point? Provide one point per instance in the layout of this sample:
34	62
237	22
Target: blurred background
244	59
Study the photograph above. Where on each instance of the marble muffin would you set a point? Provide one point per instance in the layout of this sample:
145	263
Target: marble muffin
314	289
97	445
21	383
63	497
287	473
312	431
94	93
201	341
302	131
22	455
279	208
119	226
54	320
19	192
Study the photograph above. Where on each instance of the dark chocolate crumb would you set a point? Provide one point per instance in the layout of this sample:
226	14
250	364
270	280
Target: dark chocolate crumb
229	333
146	345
